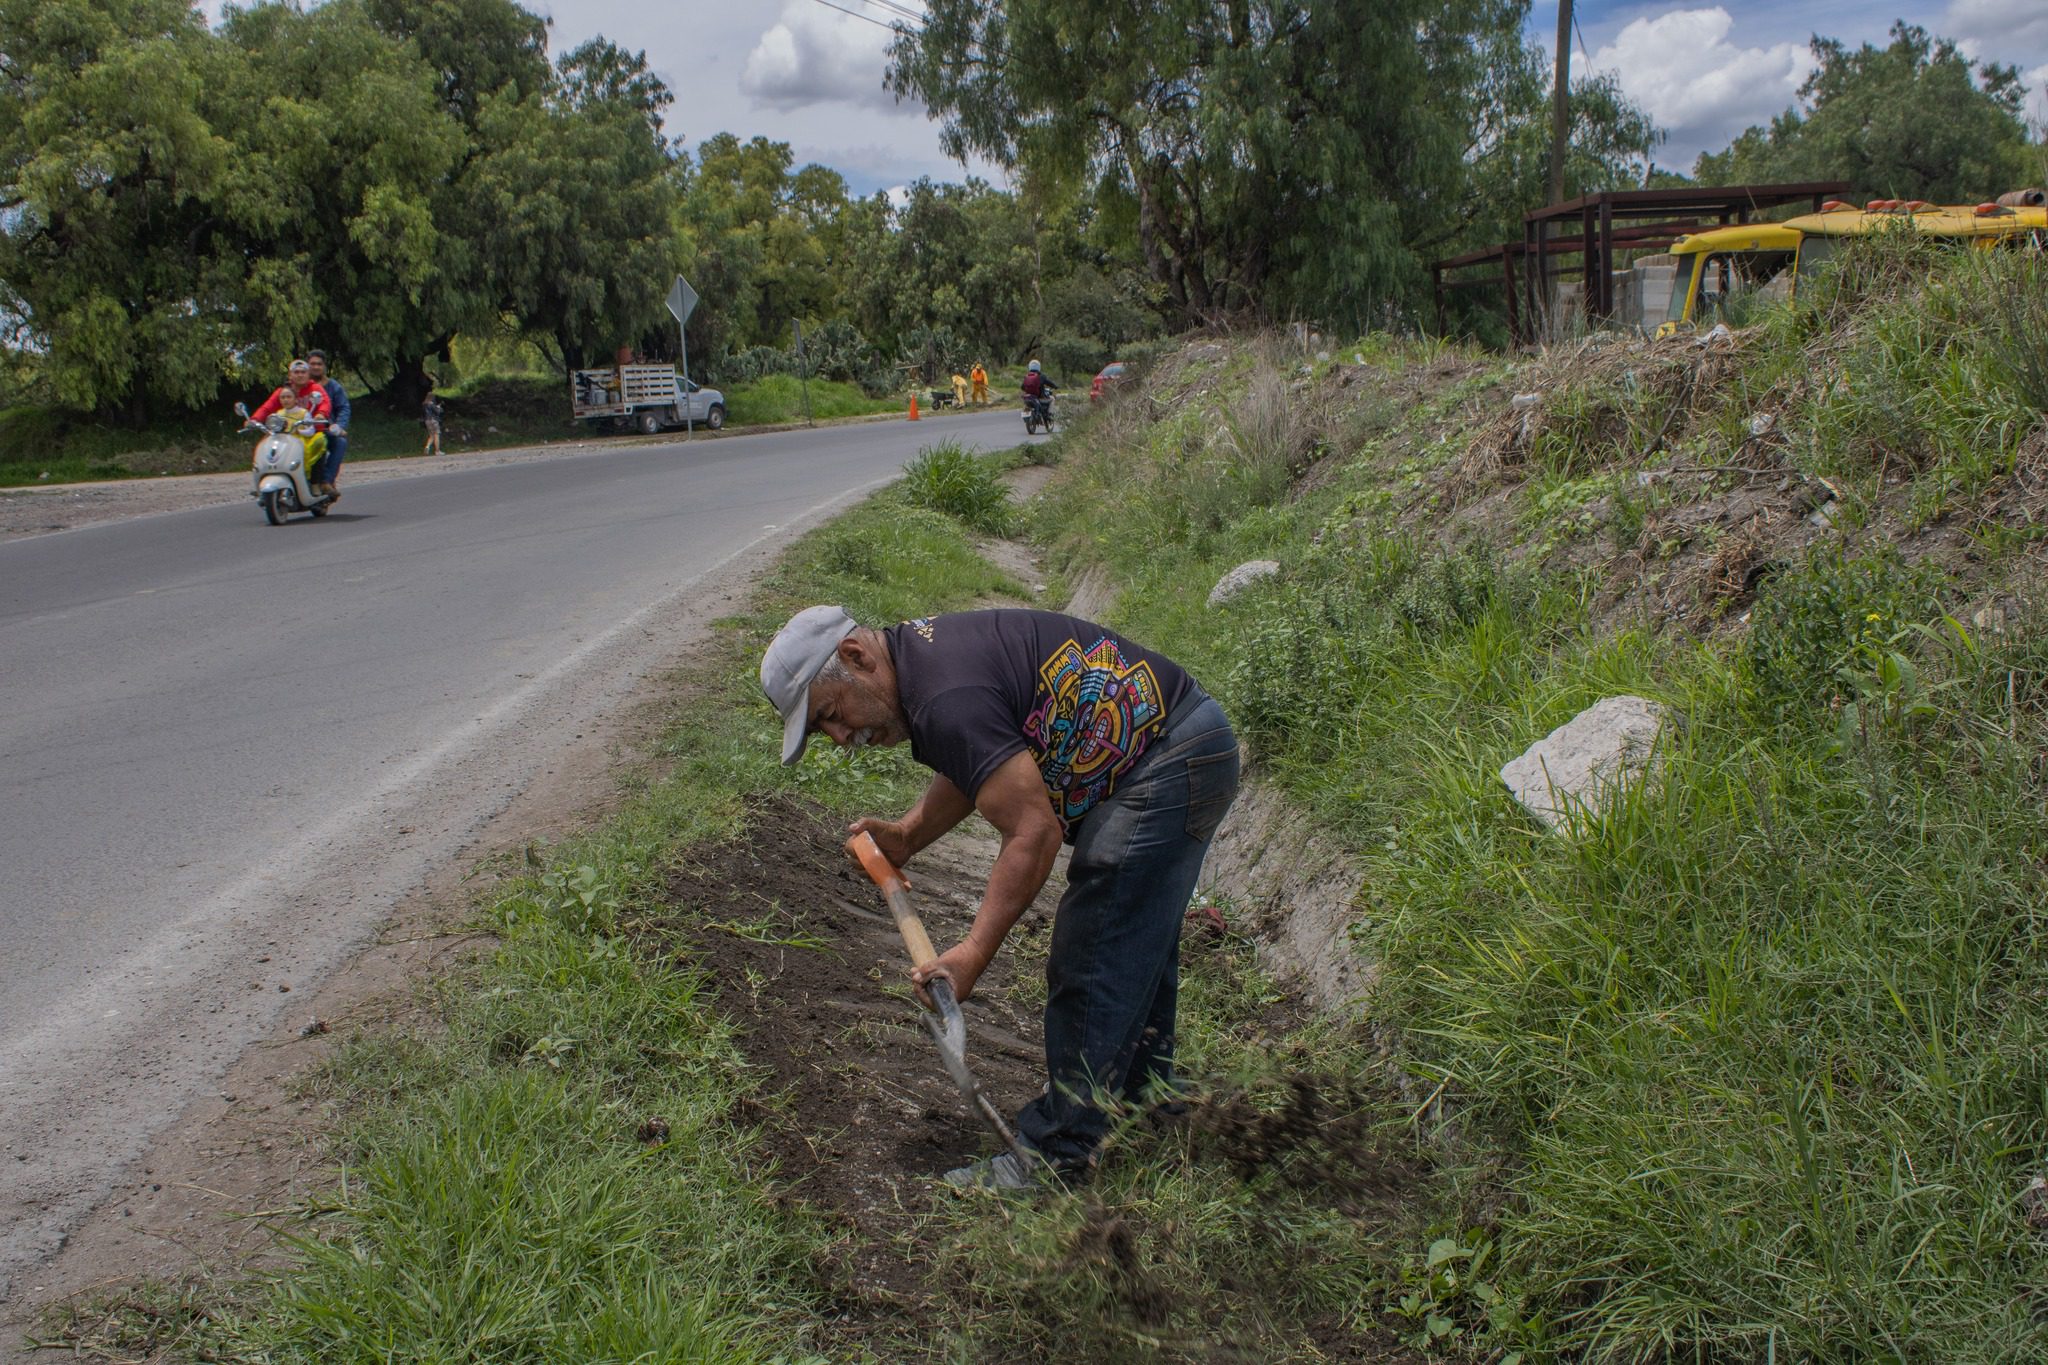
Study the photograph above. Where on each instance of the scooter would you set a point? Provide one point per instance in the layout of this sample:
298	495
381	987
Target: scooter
1037	413
278	480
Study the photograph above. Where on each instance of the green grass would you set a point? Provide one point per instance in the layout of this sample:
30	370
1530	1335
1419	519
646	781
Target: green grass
1755	1067
946	478
779	398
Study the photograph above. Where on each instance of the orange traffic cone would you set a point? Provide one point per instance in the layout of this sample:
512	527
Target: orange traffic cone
913	407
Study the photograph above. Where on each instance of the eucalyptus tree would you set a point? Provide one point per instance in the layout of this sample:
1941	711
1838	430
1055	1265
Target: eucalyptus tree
1285	156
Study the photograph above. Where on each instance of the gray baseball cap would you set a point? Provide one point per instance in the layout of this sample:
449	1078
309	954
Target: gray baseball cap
793	658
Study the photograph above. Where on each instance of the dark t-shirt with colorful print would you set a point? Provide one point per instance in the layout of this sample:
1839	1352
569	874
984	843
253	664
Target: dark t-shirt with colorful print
979	686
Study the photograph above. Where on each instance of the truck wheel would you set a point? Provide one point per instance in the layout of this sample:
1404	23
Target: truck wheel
715	418
650	424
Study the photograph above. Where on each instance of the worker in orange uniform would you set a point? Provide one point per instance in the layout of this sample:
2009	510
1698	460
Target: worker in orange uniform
980	378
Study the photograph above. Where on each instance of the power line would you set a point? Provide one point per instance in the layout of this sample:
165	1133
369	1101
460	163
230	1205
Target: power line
915	16
864	18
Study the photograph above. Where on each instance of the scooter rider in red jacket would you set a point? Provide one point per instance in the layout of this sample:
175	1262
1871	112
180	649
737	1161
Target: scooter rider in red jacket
301	392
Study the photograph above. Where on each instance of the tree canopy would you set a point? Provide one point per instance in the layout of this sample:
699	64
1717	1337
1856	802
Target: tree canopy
1294	157
185	207
182	208
1914	119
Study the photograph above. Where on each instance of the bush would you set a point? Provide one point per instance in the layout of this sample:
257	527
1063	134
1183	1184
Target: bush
1812	621
1244	452
935	353
780	398
946	478
1452	591
836	351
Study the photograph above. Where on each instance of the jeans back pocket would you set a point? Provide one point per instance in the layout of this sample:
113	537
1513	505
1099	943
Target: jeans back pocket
1212	786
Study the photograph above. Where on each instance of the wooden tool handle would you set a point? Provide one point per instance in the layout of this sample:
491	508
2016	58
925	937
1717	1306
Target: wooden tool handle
868	854
895	890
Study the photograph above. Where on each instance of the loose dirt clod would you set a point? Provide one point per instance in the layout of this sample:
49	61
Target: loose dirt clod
1325	1133
1105	1238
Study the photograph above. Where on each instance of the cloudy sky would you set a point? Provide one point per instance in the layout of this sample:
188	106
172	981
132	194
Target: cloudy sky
792	70
801	72
1706	71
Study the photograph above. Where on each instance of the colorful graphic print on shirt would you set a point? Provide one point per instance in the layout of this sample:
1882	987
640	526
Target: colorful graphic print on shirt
1094	718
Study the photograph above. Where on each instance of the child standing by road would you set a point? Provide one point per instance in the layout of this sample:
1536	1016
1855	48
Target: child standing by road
430	414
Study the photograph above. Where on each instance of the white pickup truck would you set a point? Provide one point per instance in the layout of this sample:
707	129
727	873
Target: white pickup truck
647	398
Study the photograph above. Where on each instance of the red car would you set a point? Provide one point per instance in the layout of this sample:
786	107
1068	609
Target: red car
1112	375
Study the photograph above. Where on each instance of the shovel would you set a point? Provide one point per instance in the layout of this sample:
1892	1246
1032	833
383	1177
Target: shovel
948	1028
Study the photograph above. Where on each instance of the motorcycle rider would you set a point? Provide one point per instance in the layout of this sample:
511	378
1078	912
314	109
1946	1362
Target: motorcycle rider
1036	385
1037	388
337	434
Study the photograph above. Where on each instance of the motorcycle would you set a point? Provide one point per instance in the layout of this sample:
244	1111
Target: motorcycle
1037	413
291	442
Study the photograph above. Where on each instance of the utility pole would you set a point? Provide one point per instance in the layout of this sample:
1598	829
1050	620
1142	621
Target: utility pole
1560	101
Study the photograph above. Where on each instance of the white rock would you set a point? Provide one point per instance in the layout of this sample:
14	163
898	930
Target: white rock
1240	578
1522	402
1761	424
1577	766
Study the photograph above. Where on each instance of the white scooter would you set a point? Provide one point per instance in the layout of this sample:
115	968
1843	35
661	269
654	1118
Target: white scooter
278	480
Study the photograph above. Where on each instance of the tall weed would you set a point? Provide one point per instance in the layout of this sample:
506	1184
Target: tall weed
2009	293
946	477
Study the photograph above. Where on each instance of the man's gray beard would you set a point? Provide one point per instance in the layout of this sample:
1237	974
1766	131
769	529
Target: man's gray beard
861	739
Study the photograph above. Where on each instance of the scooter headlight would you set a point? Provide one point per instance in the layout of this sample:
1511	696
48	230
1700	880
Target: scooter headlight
275	423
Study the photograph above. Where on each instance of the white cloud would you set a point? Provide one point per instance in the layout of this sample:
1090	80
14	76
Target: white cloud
1697	85
2005	31
814	55
2009	32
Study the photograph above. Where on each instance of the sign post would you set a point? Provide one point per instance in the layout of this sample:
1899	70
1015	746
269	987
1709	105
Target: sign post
682	301
803	371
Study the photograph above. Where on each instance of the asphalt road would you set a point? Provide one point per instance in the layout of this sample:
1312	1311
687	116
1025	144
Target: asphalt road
222	741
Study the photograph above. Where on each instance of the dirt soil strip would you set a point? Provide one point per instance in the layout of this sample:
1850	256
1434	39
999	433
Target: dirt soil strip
859	1116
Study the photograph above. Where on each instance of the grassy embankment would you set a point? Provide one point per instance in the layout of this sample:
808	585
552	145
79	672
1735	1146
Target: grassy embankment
43	446
1755	1067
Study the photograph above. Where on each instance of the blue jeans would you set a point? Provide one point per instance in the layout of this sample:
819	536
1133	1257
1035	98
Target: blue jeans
330	463
1114	970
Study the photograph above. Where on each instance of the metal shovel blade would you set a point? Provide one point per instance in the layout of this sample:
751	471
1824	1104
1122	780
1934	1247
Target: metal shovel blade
949	1030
